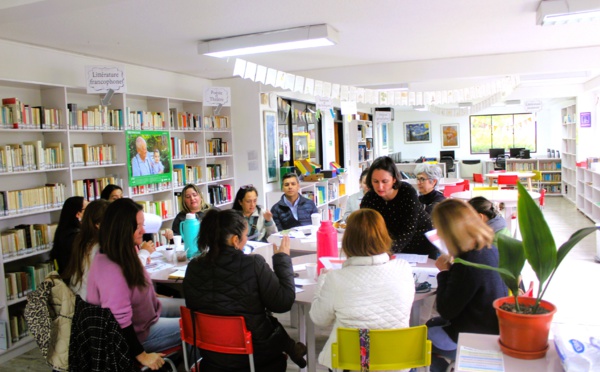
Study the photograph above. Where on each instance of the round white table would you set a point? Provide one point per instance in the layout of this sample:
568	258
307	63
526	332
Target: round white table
508	197
529	175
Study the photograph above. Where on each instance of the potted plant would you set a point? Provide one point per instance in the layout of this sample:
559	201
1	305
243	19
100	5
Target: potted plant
525	321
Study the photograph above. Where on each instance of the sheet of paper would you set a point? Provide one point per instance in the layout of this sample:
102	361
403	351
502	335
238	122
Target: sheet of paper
299	267
155	266
416	258
471	359
299	281
179	274
426	274
298	290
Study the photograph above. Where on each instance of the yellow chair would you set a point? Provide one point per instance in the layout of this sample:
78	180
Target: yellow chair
389	349
485	188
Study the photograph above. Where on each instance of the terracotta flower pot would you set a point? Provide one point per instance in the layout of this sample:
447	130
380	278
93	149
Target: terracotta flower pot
524	336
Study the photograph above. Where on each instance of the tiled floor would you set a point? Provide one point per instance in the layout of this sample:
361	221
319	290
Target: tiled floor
573	289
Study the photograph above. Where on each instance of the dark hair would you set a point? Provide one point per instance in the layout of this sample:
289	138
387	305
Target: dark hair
85	240
240	195
184	207
116	240
366	234
290	175
216	229
484	206
68	217
105	194
363	174
387	164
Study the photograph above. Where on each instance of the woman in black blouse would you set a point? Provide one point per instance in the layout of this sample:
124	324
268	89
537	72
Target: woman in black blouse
406	220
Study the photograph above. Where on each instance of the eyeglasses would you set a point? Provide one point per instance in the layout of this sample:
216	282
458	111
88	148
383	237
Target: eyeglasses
422	179
246	186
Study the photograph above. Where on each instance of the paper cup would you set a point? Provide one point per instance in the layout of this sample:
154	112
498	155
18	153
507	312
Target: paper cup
311	271
316	219
169	253
177	241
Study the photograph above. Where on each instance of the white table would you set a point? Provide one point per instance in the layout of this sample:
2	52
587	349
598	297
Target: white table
306	327
549	363
529	175
508	197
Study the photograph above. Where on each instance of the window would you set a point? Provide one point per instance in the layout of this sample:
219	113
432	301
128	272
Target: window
503	131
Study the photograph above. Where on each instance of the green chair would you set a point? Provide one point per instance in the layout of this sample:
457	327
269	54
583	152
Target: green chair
389	349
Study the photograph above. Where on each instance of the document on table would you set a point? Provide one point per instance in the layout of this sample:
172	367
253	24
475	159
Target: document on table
471	360
412	258
299	267
157	266
179	273
302	282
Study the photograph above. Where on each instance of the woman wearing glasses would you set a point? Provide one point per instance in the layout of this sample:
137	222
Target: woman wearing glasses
260	224
428	178
406	220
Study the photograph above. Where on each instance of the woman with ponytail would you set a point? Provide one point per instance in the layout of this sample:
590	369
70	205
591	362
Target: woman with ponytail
225	281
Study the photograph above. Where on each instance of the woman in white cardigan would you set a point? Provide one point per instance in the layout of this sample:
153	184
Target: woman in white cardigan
371	290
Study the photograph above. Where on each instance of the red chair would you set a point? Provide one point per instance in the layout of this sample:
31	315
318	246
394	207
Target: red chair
542	198
465	184
507	180
169	355
221	334
449	190
478	178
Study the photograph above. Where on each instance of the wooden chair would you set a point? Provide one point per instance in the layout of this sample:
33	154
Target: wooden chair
507	180
449	189
221	334
388	349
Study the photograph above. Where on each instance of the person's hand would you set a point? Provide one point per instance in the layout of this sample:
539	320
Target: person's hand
444	262
168	234
284	247
151	360
268	215
149	246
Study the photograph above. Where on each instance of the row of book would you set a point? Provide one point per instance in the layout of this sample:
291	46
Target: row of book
553	189
30	156
16	115
216	122
518	167
216	146
363	153
145	120
549	166
24	239
91	188
182	148
219	194
29	200
18	284
185	120
18	330
216	171
184	174
407	175
94	118
150	188
84	154
162	208
551	177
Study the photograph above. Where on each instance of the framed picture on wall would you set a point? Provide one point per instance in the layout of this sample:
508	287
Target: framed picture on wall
450	136
271	141
417	132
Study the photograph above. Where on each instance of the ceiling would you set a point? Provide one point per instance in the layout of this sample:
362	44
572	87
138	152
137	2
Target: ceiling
431	45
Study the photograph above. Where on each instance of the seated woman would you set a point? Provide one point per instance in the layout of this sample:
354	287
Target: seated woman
428	178
370	291
111	192
353	203
85	248
404	216
118	281
192	202
225	281
490	214
465	294
293	209
68	227
260	225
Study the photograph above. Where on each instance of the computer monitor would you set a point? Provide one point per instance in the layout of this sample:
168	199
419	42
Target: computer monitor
515	152
449	153
494	153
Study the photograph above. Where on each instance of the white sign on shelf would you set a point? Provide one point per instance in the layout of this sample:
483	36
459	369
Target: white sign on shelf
100	79
533	106
215	96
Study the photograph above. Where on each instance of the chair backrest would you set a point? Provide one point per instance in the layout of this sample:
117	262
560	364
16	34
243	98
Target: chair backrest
538	175
449	189
449	161
500	162
389	349
542	200
221	334
465	184
504	179
478	177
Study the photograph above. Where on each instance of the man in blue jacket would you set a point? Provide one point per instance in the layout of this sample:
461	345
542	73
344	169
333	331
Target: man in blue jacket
293	209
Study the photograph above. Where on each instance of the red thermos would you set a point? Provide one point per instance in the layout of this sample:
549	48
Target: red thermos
326	242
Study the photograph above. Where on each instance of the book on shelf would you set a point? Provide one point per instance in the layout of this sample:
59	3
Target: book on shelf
3	335
179	173
14	112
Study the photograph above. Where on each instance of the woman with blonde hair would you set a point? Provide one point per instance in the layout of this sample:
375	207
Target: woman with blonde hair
465	294
191	202
371	290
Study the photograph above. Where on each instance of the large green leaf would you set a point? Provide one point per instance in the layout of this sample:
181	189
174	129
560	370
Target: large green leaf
502	271
574	239
540	248
512	258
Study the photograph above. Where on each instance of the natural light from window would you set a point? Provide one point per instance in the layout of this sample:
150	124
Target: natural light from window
503	131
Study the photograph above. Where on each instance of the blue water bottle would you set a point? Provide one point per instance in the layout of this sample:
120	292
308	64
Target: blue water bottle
190	229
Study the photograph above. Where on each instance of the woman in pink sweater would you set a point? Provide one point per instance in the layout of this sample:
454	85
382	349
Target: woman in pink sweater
118	281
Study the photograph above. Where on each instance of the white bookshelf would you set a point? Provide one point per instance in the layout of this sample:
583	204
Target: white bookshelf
569	152
588	195
550	171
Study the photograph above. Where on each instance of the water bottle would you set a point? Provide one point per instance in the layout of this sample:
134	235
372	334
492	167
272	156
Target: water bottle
190	229
326	242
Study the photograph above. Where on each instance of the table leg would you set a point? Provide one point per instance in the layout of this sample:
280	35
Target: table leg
306	333
490	181
529	186
294	321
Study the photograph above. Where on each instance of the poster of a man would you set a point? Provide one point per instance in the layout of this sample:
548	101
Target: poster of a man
141	164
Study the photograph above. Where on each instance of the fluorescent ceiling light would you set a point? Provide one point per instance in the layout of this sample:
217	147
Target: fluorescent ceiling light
465	104
555	12
397	87
271	41
420	107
